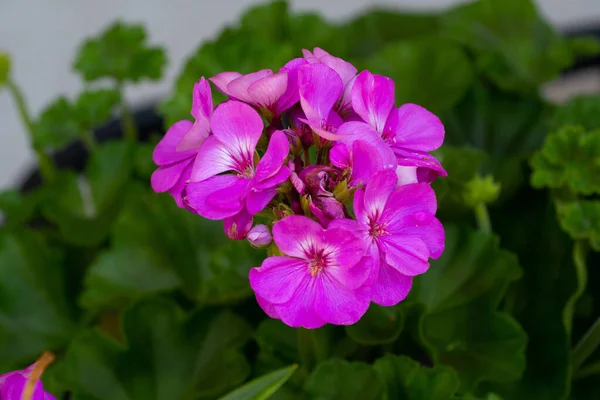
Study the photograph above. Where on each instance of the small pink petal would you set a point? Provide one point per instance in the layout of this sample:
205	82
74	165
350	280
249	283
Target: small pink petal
218	197
409	200
257	200
355	130
194	138
425	226
238	87
406	175
407	254
274	157
277	279
338	305
390	286
320	88
212	159
176	190
165	177
366	162
267	91
378	190
238	226
273	181
267	307
165	151
340	156
373	98
299	311
295	235
223	79
344	248
416	128
421	160
202	104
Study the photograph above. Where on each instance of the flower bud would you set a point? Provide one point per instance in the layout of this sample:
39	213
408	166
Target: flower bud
481	190
260	236
326	209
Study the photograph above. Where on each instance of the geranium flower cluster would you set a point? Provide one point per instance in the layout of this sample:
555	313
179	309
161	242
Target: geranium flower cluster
337	174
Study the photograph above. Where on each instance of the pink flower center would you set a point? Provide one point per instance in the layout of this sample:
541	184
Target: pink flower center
318	263
245	168
328	127
377	229
389	137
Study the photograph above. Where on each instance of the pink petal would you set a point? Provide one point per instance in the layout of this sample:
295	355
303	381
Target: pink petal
338	305
344	69
416	128
366	162
218	197
307	54
419	159
296	235
194	138
212	159
355	130
267	307
291	95
267	91
299	311
165	151
344	249
425	226
407	254
259	199
340	156
202	104
165	177
272	161
409	200
277	279
223	79
390	287
378	190
359	207
177	190
320	88
238	226
406	175
275	180
238	87
373	98
345	105
239	127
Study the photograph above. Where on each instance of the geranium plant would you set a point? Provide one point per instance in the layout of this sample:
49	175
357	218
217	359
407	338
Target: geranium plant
384	208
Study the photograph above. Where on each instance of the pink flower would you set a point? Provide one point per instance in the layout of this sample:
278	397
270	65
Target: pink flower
247	190
175	153
316	281
274	92
26	384
360	159
410	131
400	231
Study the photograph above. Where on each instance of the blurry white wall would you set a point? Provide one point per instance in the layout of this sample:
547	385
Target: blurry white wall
42	36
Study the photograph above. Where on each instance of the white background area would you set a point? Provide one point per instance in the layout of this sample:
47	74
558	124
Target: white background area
42	36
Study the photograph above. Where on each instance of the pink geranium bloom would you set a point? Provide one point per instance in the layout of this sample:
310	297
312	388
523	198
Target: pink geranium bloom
175	153
316	281
360	159
236	128
410	131
26	384
274	92
400	231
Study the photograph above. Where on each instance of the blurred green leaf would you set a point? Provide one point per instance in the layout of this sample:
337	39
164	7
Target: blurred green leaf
406	379
84	208
379	325
56	126
511	42
465	285
35	312
569	158
262	388
427	61
144	166
581	111
120	52
338	379
581	220
92	108
16	208
4	67
311	30
168	355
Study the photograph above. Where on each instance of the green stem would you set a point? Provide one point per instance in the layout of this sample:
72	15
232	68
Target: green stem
46	165
590	370
483	218
579	254
128	125
306	157
586	346
89	140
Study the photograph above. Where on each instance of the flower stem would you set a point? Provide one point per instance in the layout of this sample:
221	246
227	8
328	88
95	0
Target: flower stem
483	218
306	157
128	125
586	346
579	255
36	373
46	165
590	370
88	139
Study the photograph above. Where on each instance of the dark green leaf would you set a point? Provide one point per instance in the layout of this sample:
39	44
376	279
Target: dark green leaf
4	67
581	220
125	274
338	379
262	388
569	158
95	107
379	325
56	126
407	379
35	315
427	62
144	166
168	356
16	208
120	52
465	285
311	30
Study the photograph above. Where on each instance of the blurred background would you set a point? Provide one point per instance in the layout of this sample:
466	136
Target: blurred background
43	35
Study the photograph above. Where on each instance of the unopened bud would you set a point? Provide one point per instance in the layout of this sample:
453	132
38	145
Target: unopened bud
260	236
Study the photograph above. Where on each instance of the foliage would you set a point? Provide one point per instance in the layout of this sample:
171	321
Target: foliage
142	300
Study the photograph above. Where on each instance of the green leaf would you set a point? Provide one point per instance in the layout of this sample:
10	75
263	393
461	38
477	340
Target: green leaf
56	126
569	158
379	325
126	274
16	208
581	220
581	111
120	52
4	68
407	379
511	42
464	285
338	379
35	314
169	355
262	388
84	207
95	107
144	166
427	62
